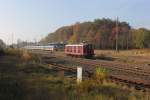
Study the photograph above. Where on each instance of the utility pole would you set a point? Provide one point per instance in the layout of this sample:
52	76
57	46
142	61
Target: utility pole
117	31
12	39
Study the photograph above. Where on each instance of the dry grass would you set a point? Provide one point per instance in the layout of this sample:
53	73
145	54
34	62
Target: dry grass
101	74
25	56
29	81
141	56
134	52
12	52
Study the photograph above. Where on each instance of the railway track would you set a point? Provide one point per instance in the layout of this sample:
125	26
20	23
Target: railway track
138	84
134	69
136	77
118	68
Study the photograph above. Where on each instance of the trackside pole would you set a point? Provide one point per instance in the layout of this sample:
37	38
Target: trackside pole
79	74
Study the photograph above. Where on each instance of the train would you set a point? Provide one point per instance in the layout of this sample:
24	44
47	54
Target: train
74	50
46	47
79	50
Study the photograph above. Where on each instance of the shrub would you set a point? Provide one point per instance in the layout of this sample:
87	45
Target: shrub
12	52
25	56
1	52
101	74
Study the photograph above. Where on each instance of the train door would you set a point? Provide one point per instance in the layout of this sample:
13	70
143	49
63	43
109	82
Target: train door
89	49
84	50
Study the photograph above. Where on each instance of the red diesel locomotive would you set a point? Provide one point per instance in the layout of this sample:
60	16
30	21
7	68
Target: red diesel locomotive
79	50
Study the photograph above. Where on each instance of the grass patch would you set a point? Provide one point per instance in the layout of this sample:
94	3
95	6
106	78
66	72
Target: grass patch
101	74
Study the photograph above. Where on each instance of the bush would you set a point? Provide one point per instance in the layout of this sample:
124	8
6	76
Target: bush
1	52
101	74
25	56
12	52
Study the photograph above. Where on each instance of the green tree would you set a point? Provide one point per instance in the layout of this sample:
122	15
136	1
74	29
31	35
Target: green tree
141	38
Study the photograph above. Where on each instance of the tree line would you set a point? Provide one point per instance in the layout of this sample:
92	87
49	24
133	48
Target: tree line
102	34
2	44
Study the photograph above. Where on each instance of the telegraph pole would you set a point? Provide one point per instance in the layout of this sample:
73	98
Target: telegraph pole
12	39
117	31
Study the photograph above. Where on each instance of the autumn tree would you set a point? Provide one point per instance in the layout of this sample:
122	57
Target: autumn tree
102	33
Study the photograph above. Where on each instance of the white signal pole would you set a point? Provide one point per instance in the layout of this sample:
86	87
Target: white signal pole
79	74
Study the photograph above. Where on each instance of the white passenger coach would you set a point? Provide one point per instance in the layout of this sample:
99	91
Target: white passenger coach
49	47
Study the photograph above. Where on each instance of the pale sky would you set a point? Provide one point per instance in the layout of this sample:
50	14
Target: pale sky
33	19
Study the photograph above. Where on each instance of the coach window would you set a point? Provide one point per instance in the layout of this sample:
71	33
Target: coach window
70	49
67	49
74	48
